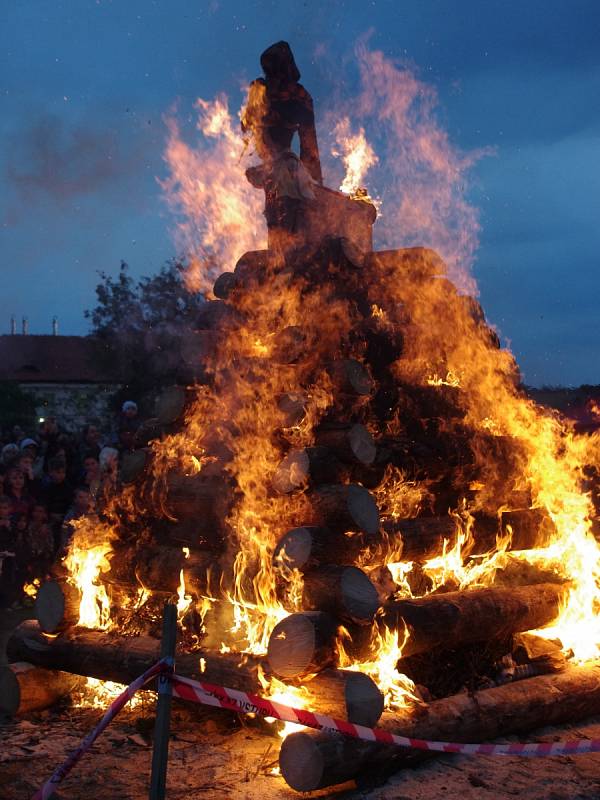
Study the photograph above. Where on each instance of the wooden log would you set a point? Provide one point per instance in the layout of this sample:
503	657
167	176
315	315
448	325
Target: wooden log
225	284
382	345
158	568
112	657
300	467
351	377
171	403
350	443
344	694
252	268
345	592
56	605
205	498
313	760
25	688
293	408
334	214
347	507
311	546
423	537
303	644
188	533
415	540
352	694
456	618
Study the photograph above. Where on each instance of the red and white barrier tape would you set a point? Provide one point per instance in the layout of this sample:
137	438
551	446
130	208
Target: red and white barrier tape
221	697
117	704
209	694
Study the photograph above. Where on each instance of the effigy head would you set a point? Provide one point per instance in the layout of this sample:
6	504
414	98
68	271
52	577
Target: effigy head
278	62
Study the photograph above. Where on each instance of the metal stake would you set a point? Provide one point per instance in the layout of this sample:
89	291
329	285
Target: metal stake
160	753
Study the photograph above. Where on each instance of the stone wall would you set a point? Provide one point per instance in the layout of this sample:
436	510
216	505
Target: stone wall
74	404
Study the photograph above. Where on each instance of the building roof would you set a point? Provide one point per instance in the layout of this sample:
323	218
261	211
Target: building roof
53	359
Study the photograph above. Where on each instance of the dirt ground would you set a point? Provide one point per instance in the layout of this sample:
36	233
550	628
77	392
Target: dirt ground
213	754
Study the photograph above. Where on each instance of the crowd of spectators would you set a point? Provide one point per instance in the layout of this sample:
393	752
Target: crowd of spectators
49	478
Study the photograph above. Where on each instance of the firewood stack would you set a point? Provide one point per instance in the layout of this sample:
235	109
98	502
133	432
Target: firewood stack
315	444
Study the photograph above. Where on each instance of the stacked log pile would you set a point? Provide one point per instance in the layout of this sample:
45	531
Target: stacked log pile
336	476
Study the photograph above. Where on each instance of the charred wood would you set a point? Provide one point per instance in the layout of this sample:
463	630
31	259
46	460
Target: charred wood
347	507
303	644
225	284
113	657
345	592
349	443
300	467
457	618
351	377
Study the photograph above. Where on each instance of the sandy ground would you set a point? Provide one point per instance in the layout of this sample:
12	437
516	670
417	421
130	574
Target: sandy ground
213	755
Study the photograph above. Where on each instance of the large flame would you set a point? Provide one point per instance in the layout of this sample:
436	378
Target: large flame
220	216
448	347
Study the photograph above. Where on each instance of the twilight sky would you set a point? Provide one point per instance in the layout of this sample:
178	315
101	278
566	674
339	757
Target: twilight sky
84	85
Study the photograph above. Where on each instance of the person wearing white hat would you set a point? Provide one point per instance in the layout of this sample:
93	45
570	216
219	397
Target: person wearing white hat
128	425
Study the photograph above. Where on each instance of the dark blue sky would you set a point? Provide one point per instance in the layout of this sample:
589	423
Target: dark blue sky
84	86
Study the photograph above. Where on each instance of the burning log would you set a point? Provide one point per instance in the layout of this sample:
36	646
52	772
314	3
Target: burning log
349	443
225	284
409	540
56	605
352	694
25	688
344	694
293	407
314	760
423	538
159	568
107	656
314	464
251	268
347	507
456	618
311	546
171	403
303	644
198	496
351	377
344	592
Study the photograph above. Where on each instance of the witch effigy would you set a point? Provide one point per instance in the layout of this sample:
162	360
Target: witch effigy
279	107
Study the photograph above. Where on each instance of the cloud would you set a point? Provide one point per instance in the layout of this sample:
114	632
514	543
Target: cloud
54	161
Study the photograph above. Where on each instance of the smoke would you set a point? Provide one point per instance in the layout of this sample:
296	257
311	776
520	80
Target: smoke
54	162
421	178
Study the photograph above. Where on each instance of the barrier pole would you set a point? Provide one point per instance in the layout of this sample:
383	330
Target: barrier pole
160	752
